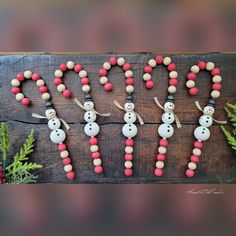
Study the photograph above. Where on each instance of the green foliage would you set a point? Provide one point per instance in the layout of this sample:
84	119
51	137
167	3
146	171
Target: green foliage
231	114
4	142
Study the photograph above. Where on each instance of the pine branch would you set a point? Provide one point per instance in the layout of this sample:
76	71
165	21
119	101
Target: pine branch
231	139
4	142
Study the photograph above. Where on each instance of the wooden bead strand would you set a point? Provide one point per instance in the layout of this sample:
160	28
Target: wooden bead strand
165	130
91	129
202	132
57	135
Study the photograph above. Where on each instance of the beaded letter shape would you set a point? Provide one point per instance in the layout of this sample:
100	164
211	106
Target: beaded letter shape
202	132
129	130
165	130
91	129
57	135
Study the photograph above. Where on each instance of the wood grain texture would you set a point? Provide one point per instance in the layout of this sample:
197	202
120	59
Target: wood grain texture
217	164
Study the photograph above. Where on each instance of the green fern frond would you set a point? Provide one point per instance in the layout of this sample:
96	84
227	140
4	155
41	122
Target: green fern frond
230	138
4	142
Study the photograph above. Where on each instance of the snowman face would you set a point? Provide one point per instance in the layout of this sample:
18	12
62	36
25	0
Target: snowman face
54	124
205	121
129	130
129	106
90	116
208	110
88	105
91	129
57	136
169	106
50	113
165	130
202	133
130	117
168	118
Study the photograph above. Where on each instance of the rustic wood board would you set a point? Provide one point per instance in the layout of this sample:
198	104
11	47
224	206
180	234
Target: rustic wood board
218	162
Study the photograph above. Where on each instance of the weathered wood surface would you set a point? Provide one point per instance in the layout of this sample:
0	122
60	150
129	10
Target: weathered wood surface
217	164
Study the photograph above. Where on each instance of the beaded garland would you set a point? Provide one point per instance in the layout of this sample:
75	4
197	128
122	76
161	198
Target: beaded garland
129	130
166	129
57	135
202	132
91	129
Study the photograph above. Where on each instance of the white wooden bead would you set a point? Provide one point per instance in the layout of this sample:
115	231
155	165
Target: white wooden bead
129	88
83	74
195	69
120	61
152	63
19	96
40	82
190	84
129	73
85	88
57	136
130	117
173	74
165	130
159	164
202	133
192	166
129	130
168	117
205	121
88	105
210	65
28	74
68	168
50	114
128	164
197	152
167	61
61	88
217	79
54	124
46	96
58	73
15	83
64	154
90	116
70	65
208	110
169	106
97	162
107	66
129	149
129	106
91	129
162	150
94	148
172	89
103	80
147	76
215	93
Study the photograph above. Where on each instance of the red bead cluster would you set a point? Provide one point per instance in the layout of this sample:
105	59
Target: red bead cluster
70	174
129	157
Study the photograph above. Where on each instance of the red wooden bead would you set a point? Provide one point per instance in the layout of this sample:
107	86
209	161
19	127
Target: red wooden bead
128	157
128	172
159	59
78	68
148	69
217	86
66	161
149	84
96	155
15	90
108	87
98	169
171	67
194	159
215	71
35	76
161	157
158	172
25	102
129	81
129	142
67	93
198	144
102	72
202	65
126	66
20	77
193	91
112	61
191	76
61	147
93	141
173	82
43	89
70	175
84	81
57	81
63	67
190	173
163	143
